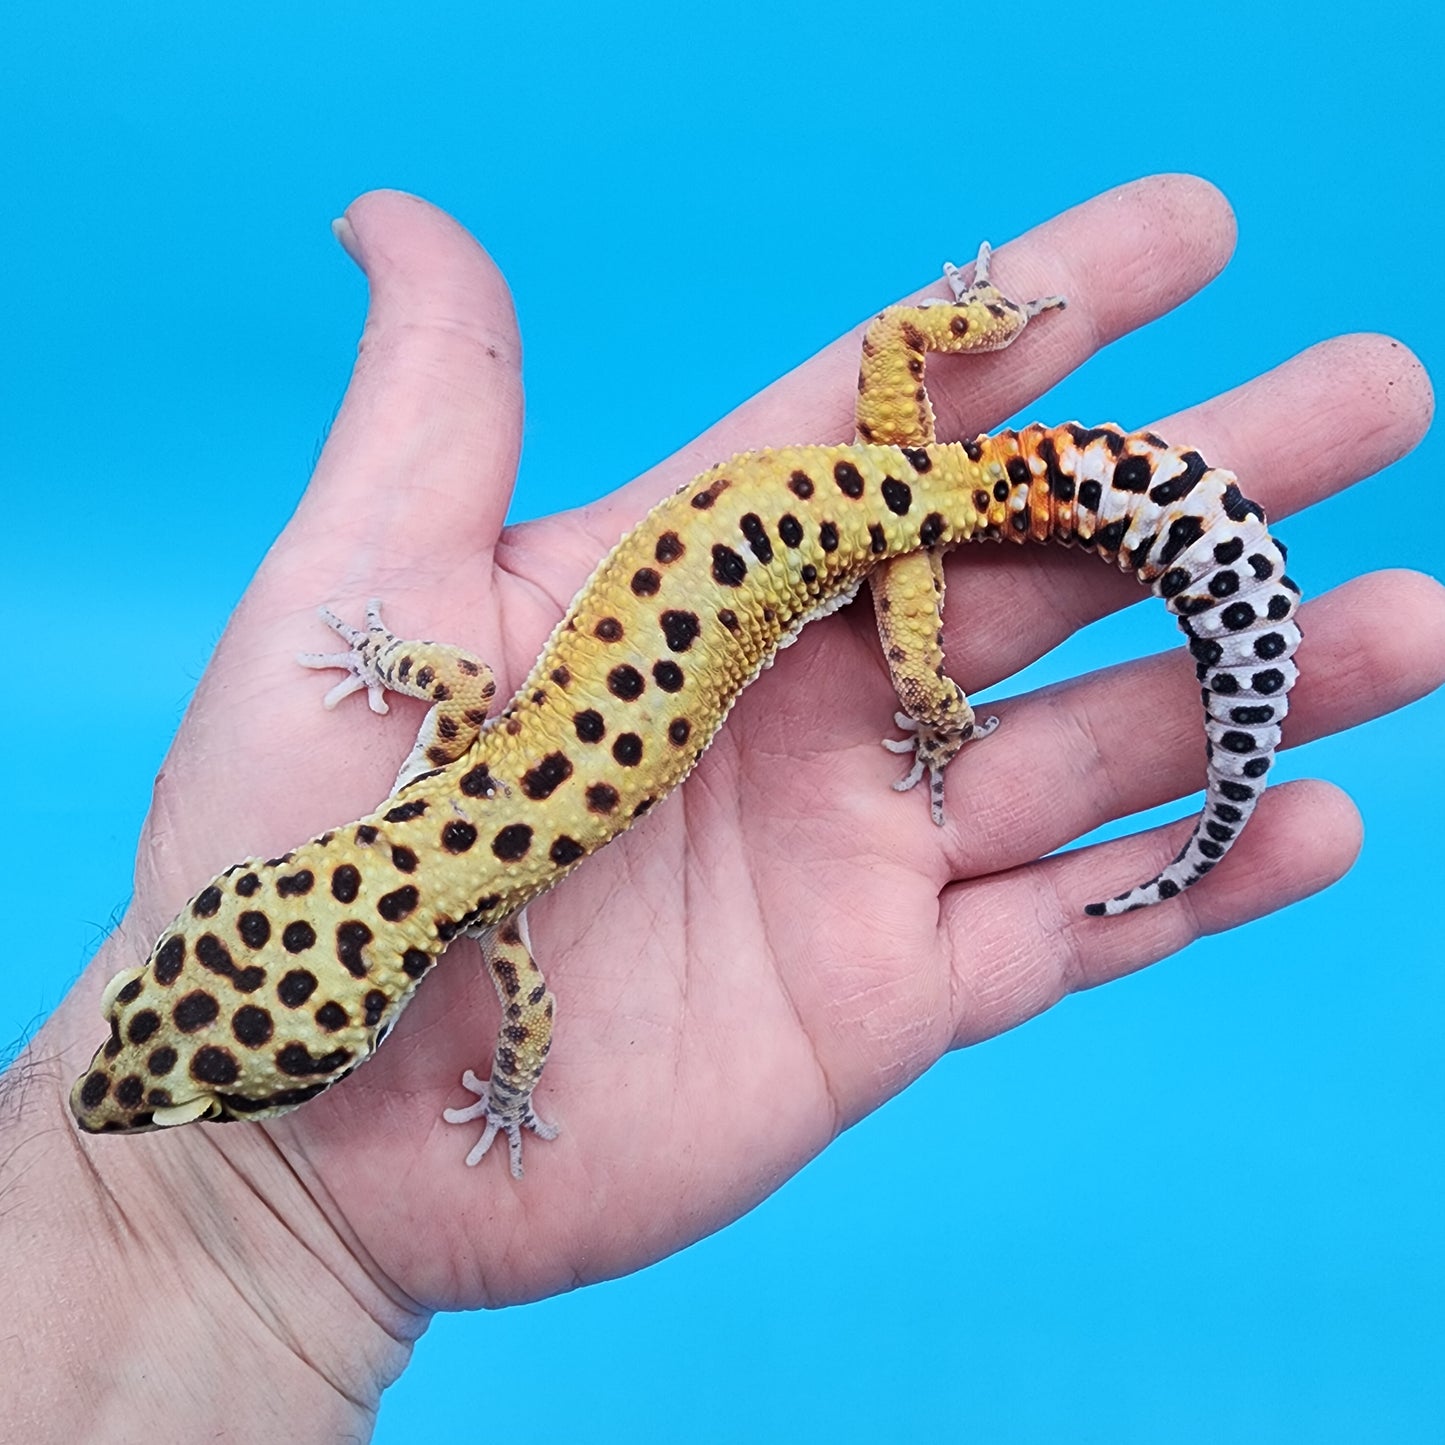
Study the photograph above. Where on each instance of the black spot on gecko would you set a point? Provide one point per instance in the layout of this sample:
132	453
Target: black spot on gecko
403	859
801	485
375	1005
351	937
790	529
1237	615
728	618
1269	646
849	479
247	884
625	682
680	629
213	1065
709	494
877	539
1108	539
931	530
669	548
609	629
129	1091
828	537
331	1016
1183	533
897	496
296	987
809	573
751	526
296	885
405	812
1018	473
194	1011
1224	583
398	904
512	842
543	780
627	749
918	459
458	836
590	725
414	963
667	675
679	730
728	568
252	1026
298	937
1227	552
1091	493
1139	553
1234	741
1000	490
130	992
1237	506
561	676
254	929
296	1061
646	582
1132	474
565	850
601	798
162	1061
142	1025
1173	582
94	1089
208	902
367	834
214	956
345	883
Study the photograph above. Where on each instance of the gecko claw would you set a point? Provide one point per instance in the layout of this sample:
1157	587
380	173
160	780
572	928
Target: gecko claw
933	748
503	1116
359	662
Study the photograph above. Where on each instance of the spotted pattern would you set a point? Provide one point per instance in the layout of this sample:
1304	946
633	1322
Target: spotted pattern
280	976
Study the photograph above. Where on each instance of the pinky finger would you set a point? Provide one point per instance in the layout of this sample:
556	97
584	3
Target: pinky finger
1303	837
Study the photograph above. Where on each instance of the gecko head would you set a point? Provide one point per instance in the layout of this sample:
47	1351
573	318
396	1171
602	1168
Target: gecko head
129	1086
236	1014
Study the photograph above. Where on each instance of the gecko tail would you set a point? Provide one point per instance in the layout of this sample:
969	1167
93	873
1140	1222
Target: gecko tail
1237	607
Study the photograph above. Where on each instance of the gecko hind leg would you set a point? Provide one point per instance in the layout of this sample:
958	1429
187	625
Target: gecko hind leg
504	1100
908	603
458	685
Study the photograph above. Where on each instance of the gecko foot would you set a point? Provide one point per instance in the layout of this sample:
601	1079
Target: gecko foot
933	748
504	1115
970	290
360	662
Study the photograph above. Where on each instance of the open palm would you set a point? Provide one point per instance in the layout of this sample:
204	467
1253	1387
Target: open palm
786	942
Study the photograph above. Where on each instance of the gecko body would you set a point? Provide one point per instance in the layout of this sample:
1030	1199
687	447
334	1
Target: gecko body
280	976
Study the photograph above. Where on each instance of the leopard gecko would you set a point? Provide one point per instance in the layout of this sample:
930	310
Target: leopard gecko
280	976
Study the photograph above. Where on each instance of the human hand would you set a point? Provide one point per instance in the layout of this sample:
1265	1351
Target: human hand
786	942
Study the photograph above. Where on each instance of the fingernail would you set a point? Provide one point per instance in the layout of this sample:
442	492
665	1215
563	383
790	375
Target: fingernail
342	230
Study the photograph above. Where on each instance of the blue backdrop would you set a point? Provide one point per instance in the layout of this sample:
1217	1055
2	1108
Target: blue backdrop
1200	1204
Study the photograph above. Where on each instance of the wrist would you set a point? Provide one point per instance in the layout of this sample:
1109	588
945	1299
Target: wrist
188	1284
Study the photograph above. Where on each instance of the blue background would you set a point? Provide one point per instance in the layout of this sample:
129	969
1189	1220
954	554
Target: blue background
1200	1204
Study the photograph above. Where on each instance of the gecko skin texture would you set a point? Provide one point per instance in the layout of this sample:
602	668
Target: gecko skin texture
281	976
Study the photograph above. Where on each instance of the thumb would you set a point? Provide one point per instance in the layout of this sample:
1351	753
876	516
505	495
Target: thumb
420	463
